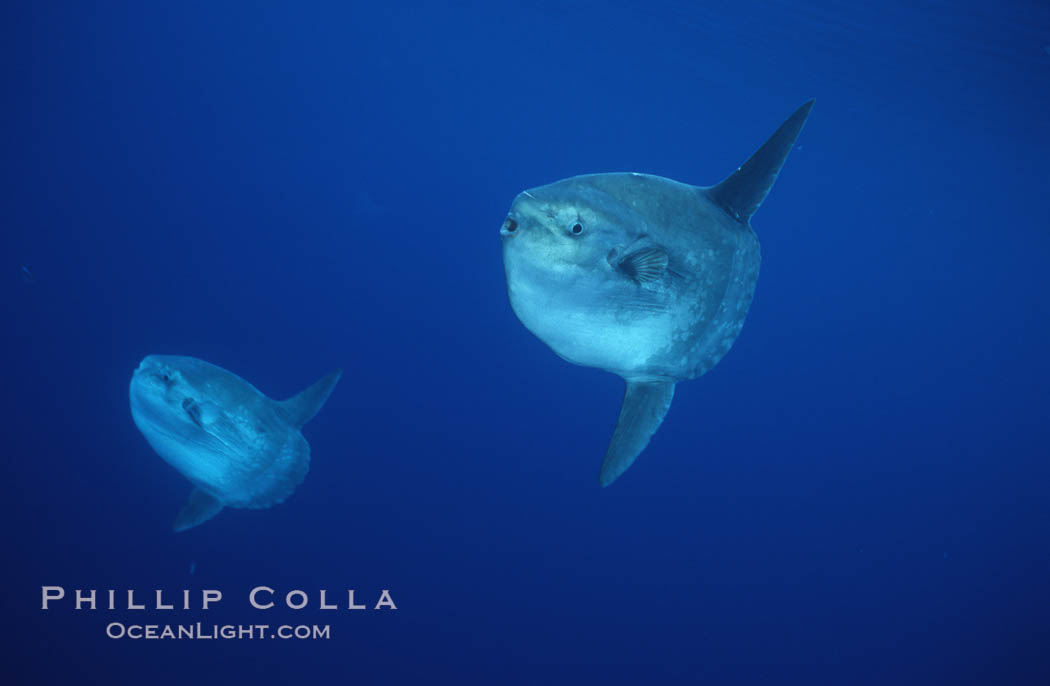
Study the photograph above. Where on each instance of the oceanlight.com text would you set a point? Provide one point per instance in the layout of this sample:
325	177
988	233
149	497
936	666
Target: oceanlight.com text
200	631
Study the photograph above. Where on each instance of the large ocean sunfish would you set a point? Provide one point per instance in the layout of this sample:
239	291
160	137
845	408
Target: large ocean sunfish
238	447
642	276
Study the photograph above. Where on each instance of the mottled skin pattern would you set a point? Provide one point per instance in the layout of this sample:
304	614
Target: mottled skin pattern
218	430
567	288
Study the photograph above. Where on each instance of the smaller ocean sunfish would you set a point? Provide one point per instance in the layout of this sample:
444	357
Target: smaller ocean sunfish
238	447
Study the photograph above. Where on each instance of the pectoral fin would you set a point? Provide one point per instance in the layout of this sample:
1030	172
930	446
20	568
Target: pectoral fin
644	405
644	264
193	410
198	509
203	413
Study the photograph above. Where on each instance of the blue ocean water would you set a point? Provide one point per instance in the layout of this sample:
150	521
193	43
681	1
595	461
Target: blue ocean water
856	494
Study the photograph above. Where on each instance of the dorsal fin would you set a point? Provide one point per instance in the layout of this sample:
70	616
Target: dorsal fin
301	408
746	188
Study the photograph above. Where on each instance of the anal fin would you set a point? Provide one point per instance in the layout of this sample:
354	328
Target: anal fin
198	509
644	405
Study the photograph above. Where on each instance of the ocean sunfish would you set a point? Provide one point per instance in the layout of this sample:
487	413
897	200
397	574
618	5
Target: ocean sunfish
238	447
642	276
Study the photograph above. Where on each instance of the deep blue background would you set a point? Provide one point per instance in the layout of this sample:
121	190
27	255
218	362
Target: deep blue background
856	494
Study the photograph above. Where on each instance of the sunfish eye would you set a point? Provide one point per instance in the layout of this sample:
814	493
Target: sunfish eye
577	229
510	226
